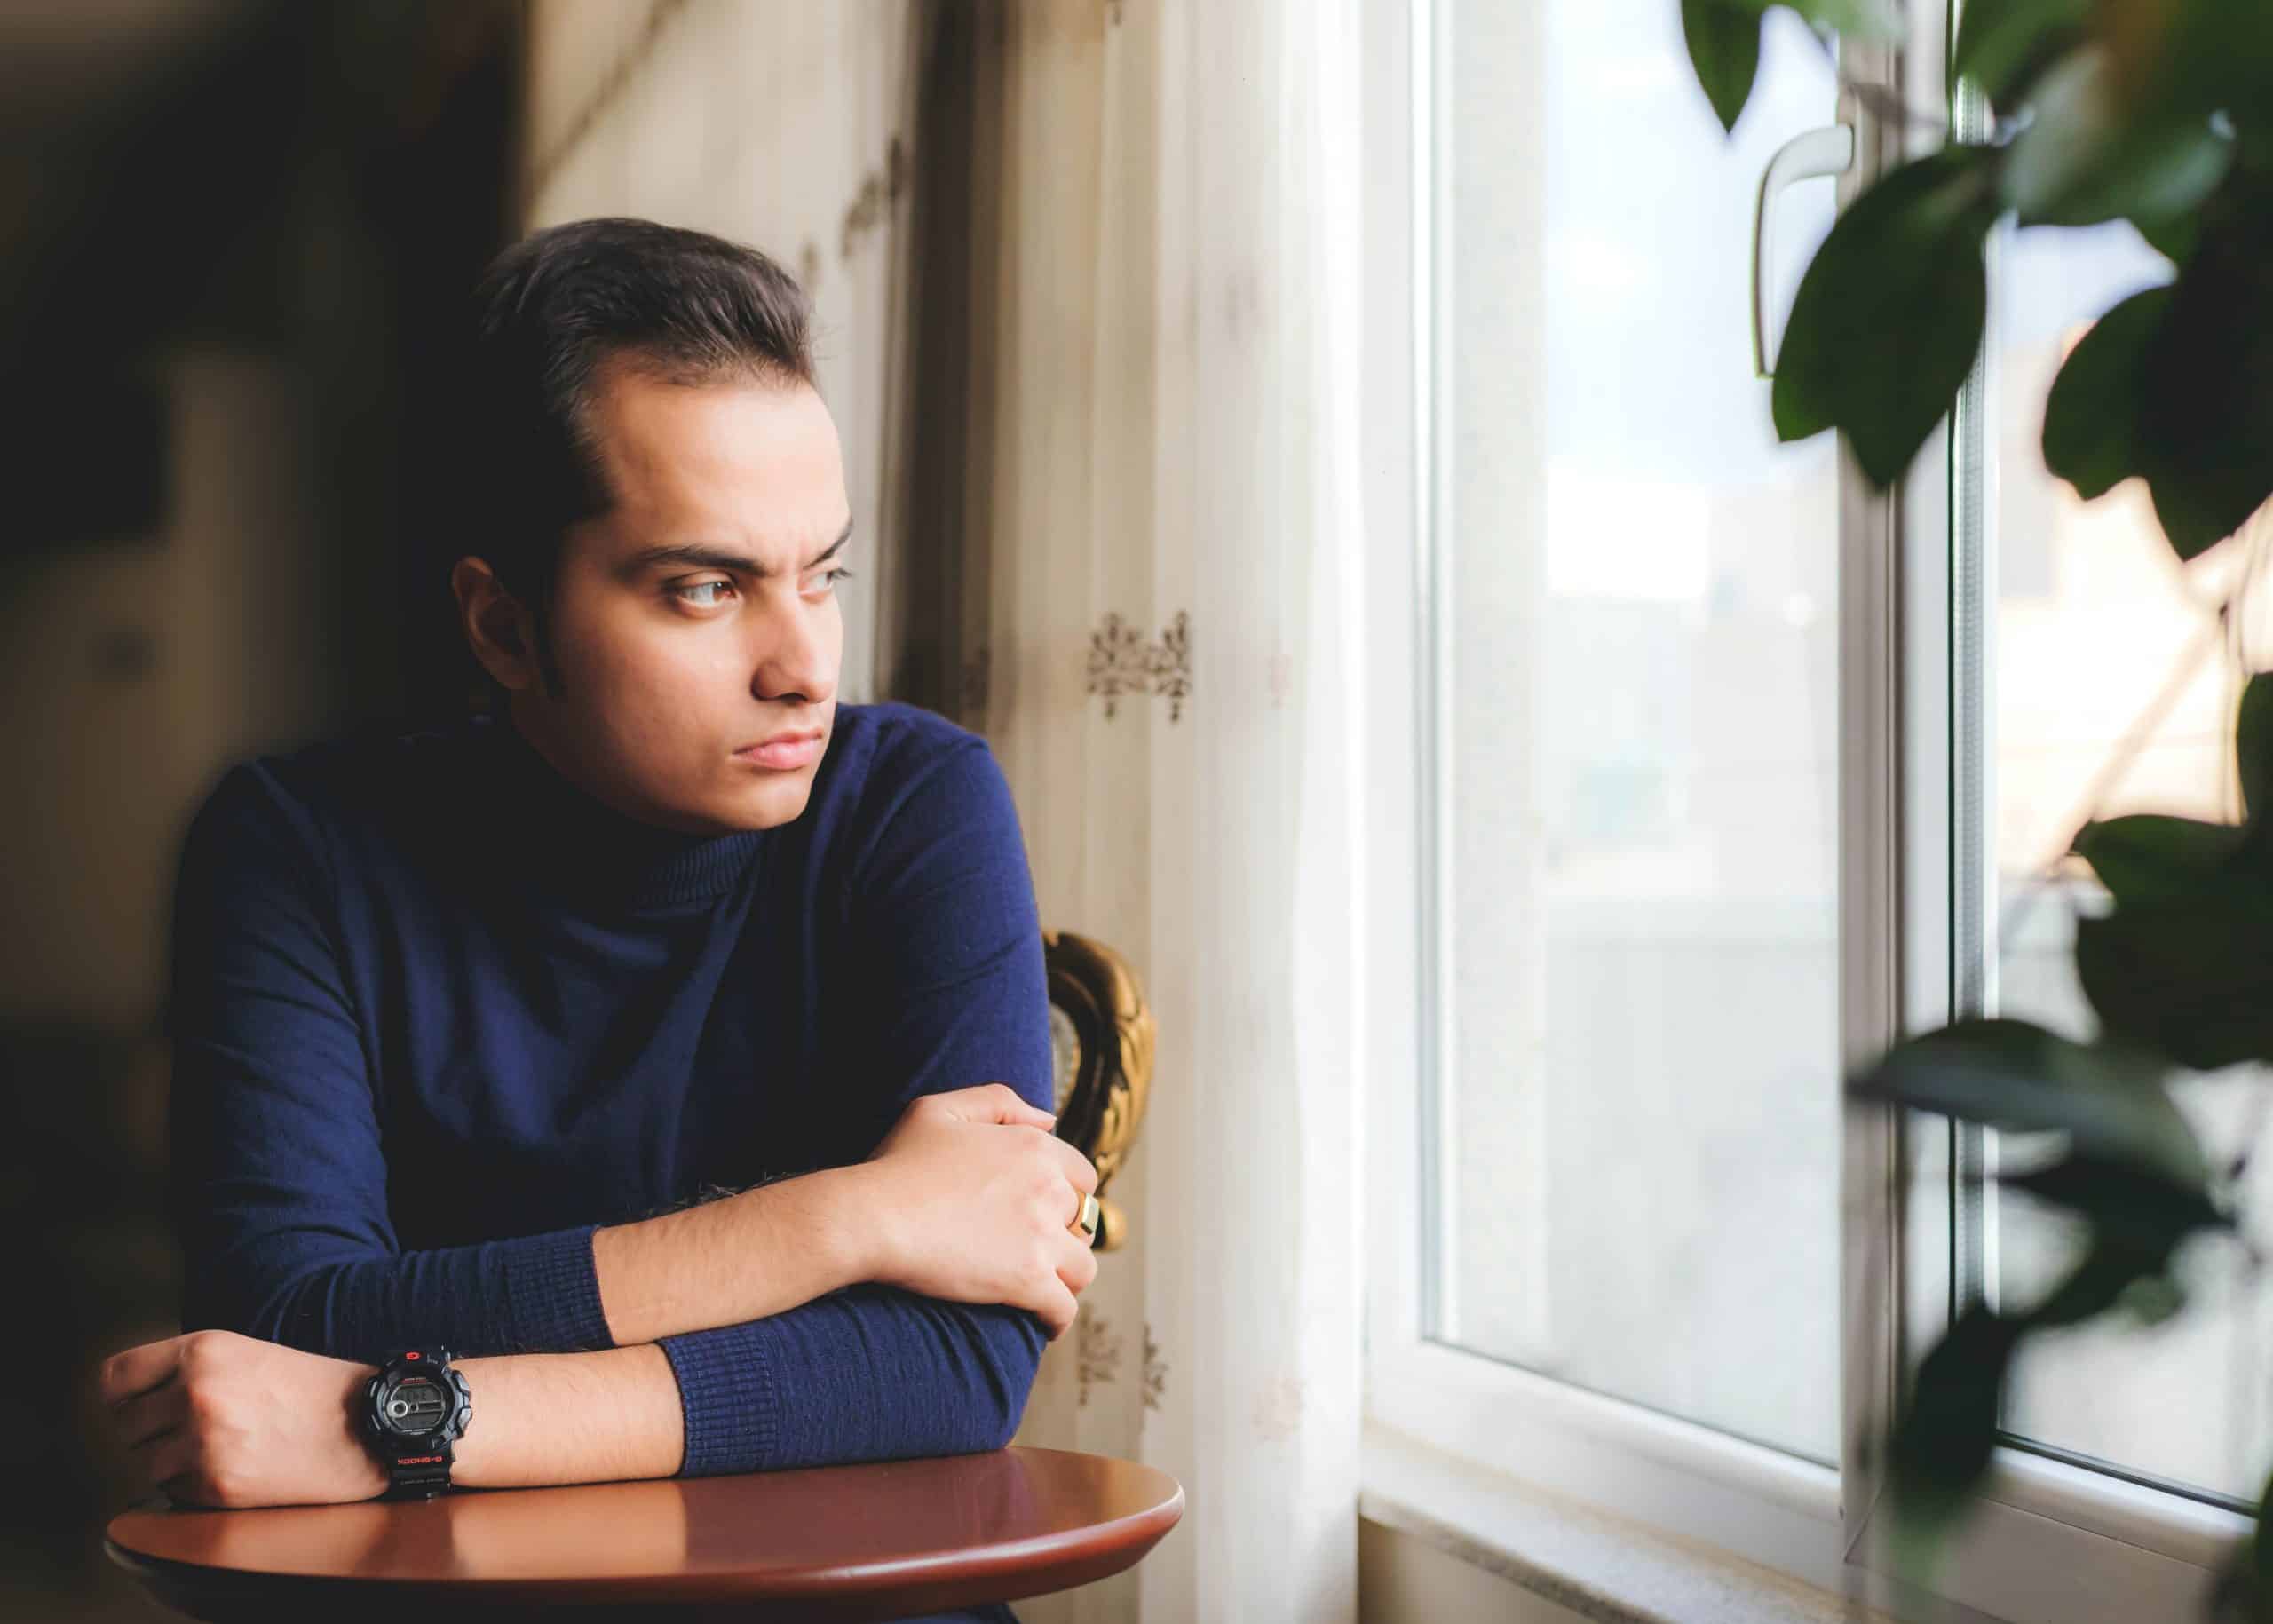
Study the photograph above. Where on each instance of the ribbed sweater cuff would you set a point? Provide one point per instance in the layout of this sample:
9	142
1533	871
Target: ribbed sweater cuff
553	1292
733	1408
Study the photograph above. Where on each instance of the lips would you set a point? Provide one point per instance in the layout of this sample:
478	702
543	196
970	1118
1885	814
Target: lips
784	752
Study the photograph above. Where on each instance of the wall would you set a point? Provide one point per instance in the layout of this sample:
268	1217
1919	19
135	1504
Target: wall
1404	1579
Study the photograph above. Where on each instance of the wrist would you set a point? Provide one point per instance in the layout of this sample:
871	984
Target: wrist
849	1214
368	1478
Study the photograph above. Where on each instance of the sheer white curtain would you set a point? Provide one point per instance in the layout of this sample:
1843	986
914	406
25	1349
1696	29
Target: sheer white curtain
1172	637
1255	925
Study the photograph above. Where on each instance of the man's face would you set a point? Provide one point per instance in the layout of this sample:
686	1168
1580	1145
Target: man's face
695	626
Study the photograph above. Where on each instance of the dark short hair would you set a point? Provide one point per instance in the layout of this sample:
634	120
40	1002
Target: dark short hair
548	312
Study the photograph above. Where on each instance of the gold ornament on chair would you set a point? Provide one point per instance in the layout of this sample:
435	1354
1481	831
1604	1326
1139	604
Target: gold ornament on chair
1101	1042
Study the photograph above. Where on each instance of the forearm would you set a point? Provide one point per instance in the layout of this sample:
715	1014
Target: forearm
551	1418
309	1287
871	1373
864	1376
747	1256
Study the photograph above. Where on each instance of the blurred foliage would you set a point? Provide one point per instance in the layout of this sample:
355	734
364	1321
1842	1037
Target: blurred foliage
2158	113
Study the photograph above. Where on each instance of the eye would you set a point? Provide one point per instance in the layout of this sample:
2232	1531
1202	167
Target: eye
712	587
824	583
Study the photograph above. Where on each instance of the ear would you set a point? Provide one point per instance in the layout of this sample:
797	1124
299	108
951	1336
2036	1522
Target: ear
501	632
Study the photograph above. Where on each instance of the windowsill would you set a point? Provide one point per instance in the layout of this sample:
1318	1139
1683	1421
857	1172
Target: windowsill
1595	1565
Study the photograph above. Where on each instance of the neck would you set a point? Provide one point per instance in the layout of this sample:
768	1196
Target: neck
573	841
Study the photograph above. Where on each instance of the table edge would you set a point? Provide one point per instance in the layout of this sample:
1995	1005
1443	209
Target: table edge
1126	1541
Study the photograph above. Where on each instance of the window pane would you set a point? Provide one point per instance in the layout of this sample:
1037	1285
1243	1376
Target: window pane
2094	617
1636	770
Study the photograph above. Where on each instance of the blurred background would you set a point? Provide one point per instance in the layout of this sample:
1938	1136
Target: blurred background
230	232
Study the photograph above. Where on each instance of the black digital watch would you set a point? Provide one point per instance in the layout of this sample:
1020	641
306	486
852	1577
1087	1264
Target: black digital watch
415	1410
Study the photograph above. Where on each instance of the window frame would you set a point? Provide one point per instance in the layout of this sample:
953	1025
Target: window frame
2045	1540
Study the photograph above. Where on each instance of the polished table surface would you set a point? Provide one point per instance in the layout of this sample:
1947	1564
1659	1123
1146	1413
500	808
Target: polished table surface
880	1542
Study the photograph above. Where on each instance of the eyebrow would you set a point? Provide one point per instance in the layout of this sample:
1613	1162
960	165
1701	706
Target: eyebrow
694	556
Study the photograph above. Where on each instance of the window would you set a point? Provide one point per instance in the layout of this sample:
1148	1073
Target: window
1723	769
1636	630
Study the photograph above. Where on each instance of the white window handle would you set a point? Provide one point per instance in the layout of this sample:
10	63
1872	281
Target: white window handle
1828	151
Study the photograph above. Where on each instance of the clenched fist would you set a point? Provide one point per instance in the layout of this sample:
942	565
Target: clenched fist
216	1419
973	1201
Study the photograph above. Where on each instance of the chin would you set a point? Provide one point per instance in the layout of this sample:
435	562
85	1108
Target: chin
772	804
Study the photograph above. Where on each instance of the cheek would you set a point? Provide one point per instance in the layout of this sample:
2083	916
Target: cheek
623	654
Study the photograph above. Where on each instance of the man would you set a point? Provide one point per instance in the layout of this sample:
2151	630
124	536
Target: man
467	1022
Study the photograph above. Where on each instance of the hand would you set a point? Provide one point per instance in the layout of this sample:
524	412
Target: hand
976	1199
216	1419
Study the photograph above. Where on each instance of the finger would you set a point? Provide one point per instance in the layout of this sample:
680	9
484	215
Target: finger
1056	1307
998	1102
167	1463
1077	1264
138	1370
144	1416
1080	1171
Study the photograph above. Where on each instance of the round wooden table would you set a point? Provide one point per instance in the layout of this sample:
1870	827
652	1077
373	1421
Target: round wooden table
880	1541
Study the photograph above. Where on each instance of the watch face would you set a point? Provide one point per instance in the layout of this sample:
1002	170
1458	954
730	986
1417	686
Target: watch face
415	1405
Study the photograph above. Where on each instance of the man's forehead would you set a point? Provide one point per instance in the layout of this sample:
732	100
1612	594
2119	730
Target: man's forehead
735	463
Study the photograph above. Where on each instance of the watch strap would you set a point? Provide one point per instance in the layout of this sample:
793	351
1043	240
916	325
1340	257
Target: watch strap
417	1470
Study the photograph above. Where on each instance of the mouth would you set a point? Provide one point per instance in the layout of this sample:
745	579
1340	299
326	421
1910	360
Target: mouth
785	751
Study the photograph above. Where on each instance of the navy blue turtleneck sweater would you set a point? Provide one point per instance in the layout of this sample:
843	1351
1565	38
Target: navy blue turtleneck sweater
438	1014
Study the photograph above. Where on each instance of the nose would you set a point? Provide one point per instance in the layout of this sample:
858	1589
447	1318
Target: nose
799	647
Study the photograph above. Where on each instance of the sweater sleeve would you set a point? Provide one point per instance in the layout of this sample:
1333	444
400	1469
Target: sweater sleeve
945	931
278	1181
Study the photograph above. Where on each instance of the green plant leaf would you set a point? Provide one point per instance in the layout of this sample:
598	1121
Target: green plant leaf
2091	418
2173	238
2191	56
2154	1298
2002	45
1948	1430
2018	1077
2149	858
2206	419
1888	316
1724	50
2191	978
2137	1215
2105	1278
2088	157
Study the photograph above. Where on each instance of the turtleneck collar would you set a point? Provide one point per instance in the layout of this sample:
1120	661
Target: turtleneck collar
577	847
